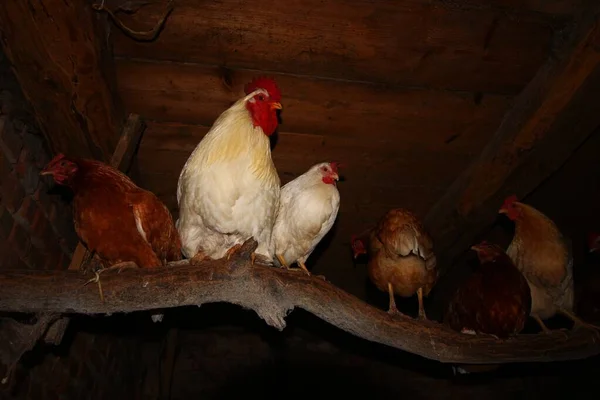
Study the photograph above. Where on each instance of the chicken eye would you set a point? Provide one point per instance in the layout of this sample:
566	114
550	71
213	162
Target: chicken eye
261	97
324	169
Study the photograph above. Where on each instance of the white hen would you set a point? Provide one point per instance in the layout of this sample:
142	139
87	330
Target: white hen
307	210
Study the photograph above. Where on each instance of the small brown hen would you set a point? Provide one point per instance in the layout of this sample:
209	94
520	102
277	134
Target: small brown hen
401	258
544	256
494	300
113	217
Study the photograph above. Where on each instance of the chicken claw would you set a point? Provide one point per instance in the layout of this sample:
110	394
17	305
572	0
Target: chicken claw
260	260
392	309
578	322
198	258
97	280
119	267
422	315
282	261
233	250
545	328
303	267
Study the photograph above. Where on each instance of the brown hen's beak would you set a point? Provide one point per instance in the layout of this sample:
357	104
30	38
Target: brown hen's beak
276	106
475	248
44	172
503	211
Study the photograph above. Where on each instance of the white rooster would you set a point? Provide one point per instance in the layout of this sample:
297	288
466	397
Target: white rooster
308	208
228	190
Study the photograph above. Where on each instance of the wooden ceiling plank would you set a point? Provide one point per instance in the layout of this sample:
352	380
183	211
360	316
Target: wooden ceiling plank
551	7
166	147
410	43
58	50
195	94
555	114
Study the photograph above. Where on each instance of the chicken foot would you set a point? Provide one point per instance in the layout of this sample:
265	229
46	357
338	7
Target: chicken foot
233	250
119	267
393	310
541	323
422	315
260	259
300	264
198	258
544	327
578	322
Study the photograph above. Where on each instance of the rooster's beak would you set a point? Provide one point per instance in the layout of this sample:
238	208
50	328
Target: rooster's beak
475	248
276	106
44	173
503	211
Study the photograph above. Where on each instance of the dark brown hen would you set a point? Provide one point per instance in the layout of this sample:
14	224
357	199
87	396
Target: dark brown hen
495	299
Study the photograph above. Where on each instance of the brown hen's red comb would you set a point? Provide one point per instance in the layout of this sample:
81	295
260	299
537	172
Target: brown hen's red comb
55	160
263	82
509	200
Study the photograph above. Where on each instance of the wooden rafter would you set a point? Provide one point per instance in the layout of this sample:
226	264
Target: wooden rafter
555	113
60	56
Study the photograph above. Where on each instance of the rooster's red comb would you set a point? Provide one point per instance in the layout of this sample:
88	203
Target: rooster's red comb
263	82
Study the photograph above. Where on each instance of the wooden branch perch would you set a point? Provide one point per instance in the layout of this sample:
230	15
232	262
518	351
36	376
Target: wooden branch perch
273	293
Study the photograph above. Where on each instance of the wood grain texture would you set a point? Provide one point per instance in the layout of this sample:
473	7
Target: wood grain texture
414	43
552	7
551	118
272	293
438	120
57	49
375	177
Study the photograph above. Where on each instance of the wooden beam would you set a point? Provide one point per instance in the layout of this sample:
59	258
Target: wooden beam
555	113
59	54
475	49
272	293
437	120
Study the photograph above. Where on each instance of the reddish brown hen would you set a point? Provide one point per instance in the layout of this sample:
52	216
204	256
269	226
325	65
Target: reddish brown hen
113	217
494	300
401	258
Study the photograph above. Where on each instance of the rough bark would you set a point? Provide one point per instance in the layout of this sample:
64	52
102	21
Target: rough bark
272	293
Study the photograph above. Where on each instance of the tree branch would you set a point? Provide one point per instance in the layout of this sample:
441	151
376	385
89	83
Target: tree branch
272	293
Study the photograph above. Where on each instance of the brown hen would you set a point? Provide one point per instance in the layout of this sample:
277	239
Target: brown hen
401	258
113	217
494	300
544	256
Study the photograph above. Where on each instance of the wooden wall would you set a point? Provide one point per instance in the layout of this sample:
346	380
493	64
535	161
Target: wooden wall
405	93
